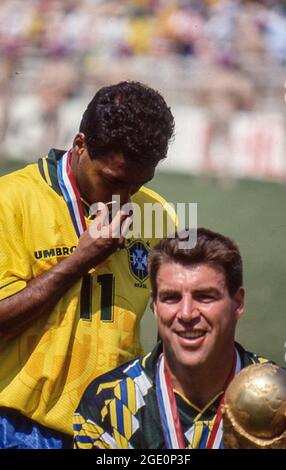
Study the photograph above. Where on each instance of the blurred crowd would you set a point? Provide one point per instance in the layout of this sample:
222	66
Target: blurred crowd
224	31
221	31
58	49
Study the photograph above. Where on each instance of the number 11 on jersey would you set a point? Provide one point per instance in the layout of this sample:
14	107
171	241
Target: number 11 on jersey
106	282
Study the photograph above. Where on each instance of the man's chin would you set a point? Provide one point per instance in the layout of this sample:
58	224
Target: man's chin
192	359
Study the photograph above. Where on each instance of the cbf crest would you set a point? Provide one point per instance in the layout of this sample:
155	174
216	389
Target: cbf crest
138	259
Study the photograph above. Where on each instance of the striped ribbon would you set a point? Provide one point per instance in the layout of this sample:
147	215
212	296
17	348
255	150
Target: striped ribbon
70	193
215	439
168	409
171	425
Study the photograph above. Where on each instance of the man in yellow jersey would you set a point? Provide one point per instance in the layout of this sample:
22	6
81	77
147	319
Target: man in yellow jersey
172	398
72	294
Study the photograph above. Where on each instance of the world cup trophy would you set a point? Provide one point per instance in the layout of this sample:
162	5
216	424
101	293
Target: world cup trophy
254	410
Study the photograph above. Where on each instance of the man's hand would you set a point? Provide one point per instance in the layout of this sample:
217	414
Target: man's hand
42	293
102	237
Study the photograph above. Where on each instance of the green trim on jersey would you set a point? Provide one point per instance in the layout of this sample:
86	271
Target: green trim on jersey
53	156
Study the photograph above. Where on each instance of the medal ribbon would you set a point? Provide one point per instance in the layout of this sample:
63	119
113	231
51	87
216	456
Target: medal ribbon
70	193
171	425
168	408
214	441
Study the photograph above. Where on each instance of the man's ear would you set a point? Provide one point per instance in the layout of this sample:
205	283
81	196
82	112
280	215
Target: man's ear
239	302
154	307
79	144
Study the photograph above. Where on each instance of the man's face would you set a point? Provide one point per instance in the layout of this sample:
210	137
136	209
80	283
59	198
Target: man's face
109	175
195	314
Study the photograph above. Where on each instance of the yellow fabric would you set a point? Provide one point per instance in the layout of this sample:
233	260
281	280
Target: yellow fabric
45	370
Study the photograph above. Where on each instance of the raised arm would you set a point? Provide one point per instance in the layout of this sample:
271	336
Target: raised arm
42	293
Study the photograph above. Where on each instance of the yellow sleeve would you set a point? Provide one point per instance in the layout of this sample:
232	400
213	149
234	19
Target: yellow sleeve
167	207
15	269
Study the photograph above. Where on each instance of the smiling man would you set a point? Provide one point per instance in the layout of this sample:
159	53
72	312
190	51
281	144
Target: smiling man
72	297
172	397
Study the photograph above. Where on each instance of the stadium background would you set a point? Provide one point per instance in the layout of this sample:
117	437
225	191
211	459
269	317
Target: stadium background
220	64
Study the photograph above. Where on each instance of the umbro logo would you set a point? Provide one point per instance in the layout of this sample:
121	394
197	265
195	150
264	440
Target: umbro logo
52	252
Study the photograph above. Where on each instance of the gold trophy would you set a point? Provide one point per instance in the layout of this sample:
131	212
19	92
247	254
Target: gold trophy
254	410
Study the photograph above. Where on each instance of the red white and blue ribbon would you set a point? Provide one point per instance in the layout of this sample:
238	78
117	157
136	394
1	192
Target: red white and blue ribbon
70	193
215	439
171	425
170	420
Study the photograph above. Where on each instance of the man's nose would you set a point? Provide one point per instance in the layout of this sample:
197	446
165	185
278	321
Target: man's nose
189	309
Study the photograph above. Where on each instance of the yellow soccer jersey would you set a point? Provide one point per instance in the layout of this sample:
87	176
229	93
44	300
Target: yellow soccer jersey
95	325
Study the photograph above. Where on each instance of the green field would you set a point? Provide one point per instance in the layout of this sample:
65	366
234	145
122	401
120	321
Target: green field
253	214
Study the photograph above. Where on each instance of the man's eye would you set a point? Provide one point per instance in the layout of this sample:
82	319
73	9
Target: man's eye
206	298
111	182
170	299
118	183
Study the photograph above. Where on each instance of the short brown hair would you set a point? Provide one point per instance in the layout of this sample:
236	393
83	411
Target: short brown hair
211	248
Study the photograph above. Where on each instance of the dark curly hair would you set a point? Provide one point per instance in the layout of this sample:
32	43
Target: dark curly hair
130	118
211	248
